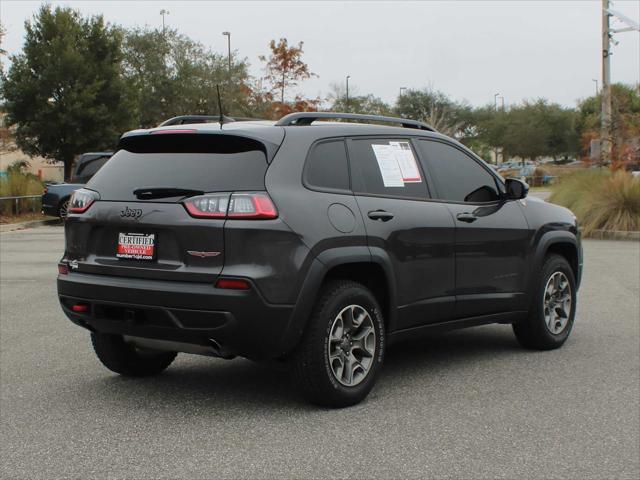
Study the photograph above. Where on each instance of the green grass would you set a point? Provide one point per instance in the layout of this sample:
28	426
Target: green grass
600	199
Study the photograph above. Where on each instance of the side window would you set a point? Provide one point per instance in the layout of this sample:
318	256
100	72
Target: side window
458	177
386	167
327	166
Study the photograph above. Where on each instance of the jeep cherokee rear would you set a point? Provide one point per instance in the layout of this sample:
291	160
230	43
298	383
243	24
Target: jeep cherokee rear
311	242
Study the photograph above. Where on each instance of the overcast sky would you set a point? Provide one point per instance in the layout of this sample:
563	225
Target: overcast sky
468	49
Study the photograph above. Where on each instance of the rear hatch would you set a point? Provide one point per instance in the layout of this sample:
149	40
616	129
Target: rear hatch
144	221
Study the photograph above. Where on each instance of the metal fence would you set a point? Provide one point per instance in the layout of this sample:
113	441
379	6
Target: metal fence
21	204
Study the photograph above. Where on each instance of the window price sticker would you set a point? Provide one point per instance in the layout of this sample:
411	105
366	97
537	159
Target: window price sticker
407	162
397	164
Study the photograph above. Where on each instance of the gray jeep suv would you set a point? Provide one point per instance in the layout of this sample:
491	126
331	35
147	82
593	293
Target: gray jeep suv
311	242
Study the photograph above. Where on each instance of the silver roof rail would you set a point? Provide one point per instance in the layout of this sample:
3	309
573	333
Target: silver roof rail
306	118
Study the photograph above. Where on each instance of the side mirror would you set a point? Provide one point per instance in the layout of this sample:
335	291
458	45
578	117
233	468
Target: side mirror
515	189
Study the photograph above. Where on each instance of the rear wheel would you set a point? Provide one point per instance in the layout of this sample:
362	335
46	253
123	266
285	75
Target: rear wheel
342	348
126	359
552	311
63	211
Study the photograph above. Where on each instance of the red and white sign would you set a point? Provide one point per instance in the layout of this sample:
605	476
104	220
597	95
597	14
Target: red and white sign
136	246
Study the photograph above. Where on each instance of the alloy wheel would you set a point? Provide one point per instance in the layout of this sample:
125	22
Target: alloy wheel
352	345
557	302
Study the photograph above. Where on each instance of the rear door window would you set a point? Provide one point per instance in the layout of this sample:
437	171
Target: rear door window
327	167
204	162
387	167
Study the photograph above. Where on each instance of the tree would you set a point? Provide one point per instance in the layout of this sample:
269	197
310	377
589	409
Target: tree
625	123
65	91
365	104
285	67
171	75
435	108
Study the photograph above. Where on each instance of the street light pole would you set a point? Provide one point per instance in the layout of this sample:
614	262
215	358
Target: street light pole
228	35
346	103
495	107
163	12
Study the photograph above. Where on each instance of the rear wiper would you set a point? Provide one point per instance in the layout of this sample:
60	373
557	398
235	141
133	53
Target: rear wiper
148	193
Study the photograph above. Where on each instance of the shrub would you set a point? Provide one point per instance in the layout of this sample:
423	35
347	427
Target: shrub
601	200
18	182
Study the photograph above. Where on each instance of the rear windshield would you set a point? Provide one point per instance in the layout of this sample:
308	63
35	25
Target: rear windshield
209	163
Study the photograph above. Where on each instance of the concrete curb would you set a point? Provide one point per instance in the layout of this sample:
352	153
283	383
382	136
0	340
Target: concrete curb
615	235
11	227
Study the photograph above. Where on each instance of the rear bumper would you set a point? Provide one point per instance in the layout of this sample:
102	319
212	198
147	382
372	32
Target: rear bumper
50	204
241	322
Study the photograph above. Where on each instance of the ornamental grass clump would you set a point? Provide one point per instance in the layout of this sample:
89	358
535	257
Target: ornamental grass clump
18	183
601	200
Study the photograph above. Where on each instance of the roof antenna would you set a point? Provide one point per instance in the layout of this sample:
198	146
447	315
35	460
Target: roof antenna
220	107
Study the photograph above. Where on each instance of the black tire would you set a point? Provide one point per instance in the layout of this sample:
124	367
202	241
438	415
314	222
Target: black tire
125	359
533	332
311	371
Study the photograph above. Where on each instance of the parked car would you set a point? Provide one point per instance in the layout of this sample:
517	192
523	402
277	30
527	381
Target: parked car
311	243
55	198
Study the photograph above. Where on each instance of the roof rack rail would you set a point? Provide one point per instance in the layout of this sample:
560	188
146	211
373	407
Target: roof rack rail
306	118
185	119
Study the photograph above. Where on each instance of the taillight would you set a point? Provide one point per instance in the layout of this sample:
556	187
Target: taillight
81	200
46	189
251	205
248	206
63	269
208	206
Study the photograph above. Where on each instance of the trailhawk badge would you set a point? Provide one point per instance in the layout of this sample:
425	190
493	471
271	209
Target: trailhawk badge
196	253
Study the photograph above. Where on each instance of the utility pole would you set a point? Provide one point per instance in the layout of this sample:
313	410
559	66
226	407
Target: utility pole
605	117
607	34
163	12
346	103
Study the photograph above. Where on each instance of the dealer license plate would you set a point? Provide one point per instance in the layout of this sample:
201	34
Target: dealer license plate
136	246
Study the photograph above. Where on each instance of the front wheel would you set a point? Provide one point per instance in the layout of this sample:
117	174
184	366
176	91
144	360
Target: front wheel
553	307
342	349
128	360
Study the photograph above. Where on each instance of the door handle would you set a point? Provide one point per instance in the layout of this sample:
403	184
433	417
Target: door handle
380	215
466	217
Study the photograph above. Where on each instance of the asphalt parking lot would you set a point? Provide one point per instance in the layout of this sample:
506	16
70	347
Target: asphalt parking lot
468	404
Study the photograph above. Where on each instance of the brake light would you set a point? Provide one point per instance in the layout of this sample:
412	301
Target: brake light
248	206
81	200
233	284
184	130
